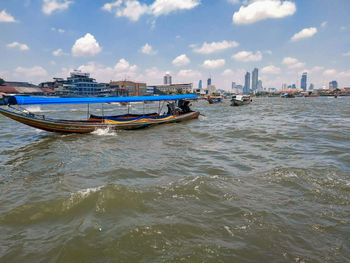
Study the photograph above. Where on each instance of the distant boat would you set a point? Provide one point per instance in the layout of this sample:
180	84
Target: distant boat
214	99
240	100
287	95
176	113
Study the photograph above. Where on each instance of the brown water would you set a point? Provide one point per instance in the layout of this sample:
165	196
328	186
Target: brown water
267	182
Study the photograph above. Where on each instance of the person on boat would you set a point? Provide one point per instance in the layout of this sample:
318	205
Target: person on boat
184	105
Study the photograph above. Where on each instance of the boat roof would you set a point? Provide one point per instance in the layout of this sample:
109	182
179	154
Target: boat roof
28	100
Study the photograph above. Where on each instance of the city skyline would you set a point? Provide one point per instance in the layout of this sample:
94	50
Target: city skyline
191	39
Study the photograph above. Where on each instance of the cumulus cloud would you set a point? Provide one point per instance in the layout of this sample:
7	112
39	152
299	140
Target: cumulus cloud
34	74
58	52
189	73
22	47
324	24
234	2
305	33
181	60
271	70
148	50
212	64
133	9
347	54
247	56
330	72
6	18
109	6
292	63
227	72
263	9
164	7
50	6
86	46
208	48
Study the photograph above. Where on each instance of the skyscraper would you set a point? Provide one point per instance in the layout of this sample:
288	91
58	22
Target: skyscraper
333	85
200	84
167	79
303	82
209	82
255	78
233	85
246	88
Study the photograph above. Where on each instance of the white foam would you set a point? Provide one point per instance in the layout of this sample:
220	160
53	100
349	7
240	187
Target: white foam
105	132
88	191
35	108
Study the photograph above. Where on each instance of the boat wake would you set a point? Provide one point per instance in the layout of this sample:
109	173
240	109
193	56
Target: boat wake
105	132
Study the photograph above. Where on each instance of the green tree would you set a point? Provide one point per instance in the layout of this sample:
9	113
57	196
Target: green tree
2	81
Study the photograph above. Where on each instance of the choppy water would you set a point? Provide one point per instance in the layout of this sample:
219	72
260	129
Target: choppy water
267	182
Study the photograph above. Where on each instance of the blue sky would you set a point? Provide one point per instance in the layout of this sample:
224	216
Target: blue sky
192	39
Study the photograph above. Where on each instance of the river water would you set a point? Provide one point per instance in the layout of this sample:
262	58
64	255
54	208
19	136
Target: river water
266	182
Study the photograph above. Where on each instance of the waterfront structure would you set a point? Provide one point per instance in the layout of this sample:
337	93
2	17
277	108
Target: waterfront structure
128	88
333	85
80	84
303	82
167	79
255	79
246	89
175	88
211	89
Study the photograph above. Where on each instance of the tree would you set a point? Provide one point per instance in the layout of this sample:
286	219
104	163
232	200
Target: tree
2	81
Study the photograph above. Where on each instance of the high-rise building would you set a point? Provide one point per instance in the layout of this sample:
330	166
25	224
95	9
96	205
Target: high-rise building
200	84
233	85
255	79
284	87
311	87
208	82
333	85
246	89
167	79
303	82
259	87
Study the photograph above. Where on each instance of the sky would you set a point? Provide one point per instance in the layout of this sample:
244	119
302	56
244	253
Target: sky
141	40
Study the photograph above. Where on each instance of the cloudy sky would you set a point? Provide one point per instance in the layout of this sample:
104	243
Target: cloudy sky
192	39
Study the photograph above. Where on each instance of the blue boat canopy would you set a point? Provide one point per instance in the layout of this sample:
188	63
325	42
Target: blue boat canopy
27	100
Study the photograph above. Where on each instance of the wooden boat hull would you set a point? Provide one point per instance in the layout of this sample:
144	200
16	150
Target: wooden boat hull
239	102
71	126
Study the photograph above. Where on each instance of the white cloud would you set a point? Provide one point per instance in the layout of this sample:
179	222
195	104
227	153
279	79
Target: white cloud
148	50
86	46
109	6
263	9
208	48
58	52
6	18
347	54
181	60
324	24
189	74
330	72
271	70
20	46
212	64
133	9
30	74
342	28
164	7
124	66
247	56
305	33
227	72
50	6
234	2
292	63
60	30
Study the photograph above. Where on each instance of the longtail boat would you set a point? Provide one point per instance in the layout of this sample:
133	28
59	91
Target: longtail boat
178	111
240	100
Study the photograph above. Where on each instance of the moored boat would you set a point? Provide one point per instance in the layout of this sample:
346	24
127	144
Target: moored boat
240	100
287	95
178	111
